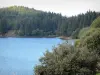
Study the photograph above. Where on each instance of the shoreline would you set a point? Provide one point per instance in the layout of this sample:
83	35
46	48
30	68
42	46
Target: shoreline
60	37
65	37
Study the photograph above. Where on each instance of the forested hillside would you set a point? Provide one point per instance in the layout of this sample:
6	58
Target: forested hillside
83	58
24	21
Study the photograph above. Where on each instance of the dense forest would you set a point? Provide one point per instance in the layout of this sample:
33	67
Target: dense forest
82	58
24	21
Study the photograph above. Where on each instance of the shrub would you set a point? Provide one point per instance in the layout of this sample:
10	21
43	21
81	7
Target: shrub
77	43
92	40
96	23
66	59
83	32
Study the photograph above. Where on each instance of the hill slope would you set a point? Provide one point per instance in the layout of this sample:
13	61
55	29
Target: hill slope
24	21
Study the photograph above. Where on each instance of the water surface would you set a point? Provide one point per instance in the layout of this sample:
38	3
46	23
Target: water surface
18	56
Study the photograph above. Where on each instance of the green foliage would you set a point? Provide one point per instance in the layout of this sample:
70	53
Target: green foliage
83	57
75	34
77	43
92	40
96	23
98	74
91	31
22	10
3	26
37	32
66	59
83	32
27	20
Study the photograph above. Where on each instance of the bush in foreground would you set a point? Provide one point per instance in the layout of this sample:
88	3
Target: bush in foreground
82	58
66	59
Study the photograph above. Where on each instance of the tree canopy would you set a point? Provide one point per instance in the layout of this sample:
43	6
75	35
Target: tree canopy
96	23
26	21
67	60
83	57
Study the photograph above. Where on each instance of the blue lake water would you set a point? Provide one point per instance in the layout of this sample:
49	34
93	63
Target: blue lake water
18	56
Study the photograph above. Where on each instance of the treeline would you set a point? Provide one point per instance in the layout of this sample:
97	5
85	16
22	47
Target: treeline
24	21
81	59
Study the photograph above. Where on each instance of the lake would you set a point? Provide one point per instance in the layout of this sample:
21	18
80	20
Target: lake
18	56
